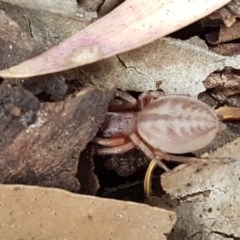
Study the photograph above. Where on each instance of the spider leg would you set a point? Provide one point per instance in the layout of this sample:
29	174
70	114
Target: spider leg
146	98
123	102
189	160
126	96
116	150
148	152
112	142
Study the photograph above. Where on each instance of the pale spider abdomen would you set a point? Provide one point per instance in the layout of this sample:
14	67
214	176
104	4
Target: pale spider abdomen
177	124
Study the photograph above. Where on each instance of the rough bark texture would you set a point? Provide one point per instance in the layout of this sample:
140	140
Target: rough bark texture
41	142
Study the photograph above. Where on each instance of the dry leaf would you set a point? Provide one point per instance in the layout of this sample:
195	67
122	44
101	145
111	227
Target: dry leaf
15	44
208	196
227	49
26	37
64	8
129	26
225	34
223	84
176	66
229	13
40	213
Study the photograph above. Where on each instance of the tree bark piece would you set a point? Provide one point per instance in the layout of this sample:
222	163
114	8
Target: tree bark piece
41	142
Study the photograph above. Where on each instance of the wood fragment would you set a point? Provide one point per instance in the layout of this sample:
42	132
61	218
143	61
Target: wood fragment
41	142
40	213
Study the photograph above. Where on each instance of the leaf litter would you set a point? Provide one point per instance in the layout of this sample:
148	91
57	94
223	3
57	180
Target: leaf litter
140	25
212	215
57	214
177	67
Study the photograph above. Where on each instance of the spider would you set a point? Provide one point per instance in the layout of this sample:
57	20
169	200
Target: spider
158	125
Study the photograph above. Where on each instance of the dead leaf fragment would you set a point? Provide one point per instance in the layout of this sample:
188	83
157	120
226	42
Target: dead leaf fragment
40	213
129	26
65	8
179	66
107	6
15	44
225	34
215	212
227	49
26	37
223	84
228	13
